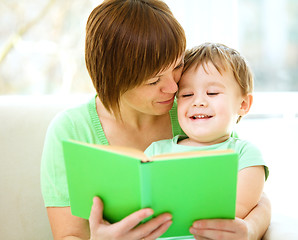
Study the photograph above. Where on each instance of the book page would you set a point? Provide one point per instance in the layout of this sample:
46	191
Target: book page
189	154
132	152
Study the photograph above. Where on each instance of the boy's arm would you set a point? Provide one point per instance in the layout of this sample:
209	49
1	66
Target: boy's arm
249	189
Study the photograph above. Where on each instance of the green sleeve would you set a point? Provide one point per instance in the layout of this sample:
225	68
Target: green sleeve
53	176
80	123
250	155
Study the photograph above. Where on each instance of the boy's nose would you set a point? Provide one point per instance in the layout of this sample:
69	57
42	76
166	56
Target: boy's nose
200	101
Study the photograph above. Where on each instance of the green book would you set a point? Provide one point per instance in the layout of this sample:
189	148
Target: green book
189	185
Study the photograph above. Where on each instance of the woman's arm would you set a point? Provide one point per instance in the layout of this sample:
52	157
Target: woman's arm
65	226
252	227
259	218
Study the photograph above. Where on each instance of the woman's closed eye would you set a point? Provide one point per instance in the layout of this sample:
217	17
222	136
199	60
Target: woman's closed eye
179	66
154	83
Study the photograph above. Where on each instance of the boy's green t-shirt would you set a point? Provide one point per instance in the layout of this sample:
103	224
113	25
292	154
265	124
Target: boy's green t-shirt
249	154
82	124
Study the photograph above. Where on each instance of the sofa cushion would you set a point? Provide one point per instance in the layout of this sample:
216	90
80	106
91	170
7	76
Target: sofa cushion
24	121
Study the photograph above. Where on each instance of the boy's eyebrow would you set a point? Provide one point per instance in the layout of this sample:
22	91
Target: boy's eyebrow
216	84
212	83
184	88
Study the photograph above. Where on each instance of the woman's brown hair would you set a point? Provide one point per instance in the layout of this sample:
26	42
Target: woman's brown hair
128	42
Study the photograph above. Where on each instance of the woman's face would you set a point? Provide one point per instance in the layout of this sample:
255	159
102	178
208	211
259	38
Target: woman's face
156	95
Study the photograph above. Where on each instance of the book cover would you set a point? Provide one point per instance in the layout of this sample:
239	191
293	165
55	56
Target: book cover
189	185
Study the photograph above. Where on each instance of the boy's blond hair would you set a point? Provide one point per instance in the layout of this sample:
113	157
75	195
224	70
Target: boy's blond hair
223	58
129	42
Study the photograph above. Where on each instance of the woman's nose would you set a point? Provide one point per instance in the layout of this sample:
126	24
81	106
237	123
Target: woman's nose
170	86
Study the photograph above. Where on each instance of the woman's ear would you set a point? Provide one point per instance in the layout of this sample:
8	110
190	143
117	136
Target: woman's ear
245	104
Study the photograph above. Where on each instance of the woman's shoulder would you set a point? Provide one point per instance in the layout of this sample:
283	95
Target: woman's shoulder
70	115
70	120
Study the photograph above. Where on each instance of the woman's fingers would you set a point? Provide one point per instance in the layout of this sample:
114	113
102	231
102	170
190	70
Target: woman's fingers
152	229
95	218
229	225
212	234
220	229
128	227
159	231
155	227
132	220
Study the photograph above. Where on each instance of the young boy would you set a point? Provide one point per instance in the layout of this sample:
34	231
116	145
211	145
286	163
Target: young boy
215	91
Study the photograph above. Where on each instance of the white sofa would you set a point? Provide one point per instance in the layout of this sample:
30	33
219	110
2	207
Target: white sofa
24	121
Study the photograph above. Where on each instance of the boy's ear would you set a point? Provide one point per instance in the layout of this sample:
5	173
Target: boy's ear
245	104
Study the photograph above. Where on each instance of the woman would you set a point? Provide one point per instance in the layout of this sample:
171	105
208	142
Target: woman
134	55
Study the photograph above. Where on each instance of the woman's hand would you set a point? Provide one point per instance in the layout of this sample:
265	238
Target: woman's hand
224	229
128	228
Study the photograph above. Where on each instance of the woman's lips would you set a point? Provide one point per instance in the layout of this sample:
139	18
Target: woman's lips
167	101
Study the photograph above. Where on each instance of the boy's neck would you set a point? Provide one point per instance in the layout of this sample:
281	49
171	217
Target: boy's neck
196	143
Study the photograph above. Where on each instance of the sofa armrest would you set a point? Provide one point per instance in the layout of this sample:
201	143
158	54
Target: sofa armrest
282	227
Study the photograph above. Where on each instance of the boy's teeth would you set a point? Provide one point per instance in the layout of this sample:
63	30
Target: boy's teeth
200	116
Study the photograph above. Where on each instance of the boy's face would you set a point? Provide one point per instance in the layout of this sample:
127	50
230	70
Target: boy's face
209	104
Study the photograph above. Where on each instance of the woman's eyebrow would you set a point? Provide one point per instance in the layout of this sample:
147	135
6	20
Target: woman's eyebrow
180	63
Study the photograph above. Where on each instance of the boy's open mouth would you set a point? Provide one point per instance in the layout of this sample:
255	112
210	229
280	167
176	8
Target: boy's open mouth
201	116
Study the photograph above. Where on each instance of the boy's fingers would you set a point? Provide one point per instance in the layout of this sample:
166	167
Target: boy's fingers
96	213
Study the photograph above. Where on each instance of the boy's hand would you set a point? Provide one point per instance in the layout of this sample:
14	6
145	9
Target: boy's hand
127	228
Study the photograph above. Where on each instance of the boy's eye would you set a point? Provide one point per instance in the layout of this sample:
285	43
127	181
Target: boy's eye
186	95
212	93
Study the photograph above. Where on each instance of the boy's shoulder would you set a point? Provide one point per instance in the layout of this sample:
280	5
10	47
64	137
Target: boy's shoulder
161	146
240	144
